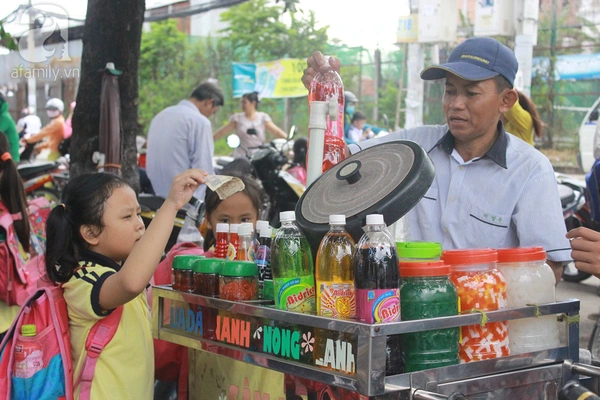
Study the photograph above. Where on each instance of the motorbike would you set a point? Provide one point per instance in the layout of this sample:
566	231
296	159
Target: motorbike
267	165
44	179
576	213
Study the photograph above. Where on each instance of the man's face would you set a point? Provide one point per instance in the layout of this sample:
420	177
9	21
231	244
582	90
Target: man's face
472	109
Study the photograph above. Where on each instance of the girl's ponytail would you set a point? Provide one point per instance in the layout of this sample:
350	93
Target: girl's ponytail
61	251
12	193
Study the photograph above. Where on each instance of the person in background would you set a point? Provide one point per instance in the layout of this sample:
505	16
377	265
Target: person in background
298	169
523	120
12	195
357	131
490	189
54	132
350	102
68	122
180	137
8	126
243	206
249	126
29	124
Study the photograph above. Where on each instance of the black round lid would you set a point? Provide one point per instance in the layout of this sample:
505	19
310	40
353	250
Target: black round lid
388	178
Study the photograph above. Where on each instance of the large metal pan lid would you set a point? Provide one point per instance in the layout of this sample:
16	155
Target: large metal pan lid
389	179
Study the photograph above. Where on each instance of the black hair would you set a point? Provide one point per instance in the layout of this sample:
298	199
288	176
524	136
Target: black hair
529	106
358	116
502	83
208	91
13	195
300	148
83	201
252	98
252	189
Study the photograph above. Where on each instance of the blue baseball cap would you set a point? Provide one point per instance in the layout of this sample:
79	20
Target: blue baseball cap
477	59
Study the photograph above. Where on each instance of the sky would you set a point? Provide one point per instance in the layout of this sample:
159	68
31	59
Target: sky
369	26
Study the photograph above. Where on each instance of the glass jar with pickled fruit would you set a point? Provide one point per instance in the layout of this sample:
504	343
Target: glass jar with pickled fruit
206	276
238	281
481	287
427	292
183	272
529	280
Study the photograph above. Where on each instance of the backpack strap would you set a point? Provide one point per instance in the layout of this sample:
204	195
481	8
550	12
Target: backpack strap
100	335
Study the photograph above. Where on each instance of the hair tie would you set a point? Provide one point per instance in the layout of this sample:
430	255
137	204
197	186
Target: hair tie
63	206
6	156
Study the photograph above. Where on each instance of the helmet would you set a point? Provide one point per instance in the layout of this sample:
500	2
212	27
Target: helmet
350	97
56	104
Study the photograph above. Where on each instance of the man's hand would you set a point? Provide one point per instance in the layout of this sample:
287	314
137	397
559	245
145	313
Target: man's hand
315	62
586	250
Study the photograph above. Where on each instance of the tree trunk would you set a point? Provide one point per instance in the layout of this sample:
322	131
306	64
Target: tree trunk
112	33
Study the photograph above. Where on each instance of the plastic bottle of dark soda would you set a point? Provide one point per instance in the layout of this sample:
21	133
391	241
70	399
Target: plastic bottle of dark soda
376	280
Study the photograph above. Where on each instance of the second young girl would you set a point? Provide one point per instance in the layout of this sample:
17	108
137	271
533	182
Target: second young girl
98	249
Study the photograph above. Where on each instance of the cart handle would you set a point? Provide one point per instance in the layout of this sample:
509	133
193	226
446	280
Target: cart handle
585	369
425	395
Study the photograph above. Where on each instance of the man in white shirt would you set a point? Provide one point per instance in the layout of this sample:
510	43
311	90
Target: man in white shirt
180	138
491	189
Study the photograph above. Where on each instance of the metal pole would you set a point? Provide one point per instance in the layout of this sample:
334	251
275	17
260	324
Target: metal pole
401	87
551	93
31	81
377	84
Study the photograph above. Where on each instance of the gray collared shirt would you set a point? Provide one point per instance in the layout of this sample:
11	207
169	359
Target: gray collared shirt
179	138
507	198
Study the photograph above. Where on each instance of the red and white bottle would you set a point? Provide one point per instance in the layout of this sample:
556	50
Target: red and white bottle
28	353
221	240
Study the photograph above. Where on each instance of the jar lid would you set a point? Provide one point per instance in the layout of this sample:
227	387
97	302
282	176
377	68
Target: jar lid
470	256
239	268
522	254
208	265
419	249
185	261
433	268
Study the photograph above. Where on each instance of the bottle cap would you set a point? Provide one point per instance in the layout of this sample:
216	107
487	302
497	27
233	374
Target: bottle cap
245	229
261	224
234	228
470	256
28	330
419	250
185	261
239	268
222	228
287	216
266	232
375	219
208	265
434	268
521	254
337	219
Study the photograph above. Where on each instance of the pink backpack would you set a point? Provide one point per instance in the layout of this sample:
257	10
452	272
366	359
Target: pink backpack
47	309
20	271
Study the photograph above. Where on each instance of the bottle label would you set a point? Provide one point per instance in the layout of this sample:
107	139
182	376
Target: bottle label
262	258
337	300
378	305
28	361
295	294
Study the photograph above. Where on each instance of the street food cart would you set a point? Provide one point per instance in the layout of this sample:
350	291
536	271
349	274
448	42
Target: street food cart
344	355
352	354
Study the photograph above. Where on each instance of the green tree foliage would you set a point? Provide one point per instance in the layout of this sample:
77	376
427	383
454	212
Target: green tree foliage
6	40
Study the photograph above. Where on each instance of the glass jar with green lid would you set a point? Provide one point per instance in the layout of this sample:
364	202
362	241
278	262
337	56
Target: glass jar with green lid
417	251
427	292
206	276
238	281
183	272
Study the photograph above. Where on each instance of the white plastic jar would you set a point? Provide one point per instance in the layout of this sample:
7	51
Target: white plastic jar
529	280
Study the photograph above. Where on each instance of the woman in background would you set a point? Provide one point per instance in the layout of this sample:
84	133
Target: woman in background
250	126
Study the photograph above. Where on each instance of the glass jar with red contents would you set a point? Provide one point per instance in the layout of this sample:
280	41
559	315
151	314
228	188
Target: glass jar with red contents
480	287
206	276
183	272
238	281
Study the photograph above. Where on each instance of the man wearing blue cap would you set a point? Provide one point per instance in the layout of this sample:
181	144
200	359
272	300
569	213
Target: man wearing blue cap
491	189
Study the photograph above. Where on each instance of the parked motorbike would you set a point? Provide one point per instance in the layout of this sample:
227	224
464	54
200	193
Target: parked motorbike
576	213
45	179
